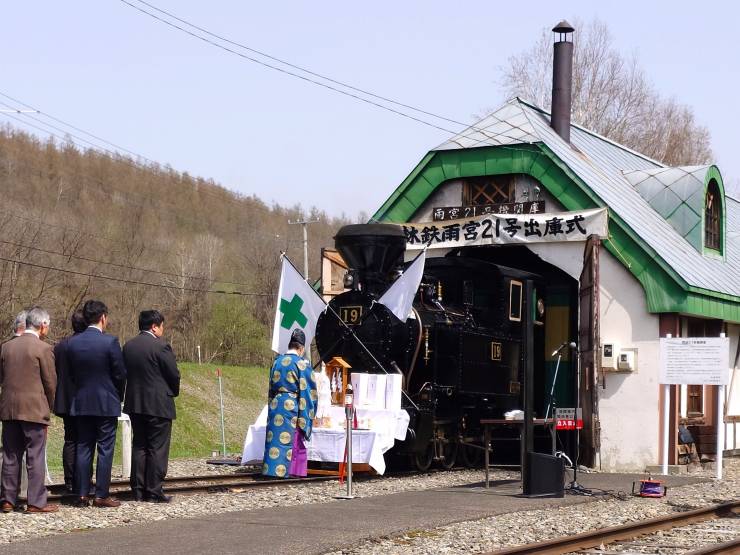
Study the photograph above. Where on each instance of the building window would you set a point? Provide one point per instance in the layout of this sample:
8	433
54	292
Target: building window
488	190
713	217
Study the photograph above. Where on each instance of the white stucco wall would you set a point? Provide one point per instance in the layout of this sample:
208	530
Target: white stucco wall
732	429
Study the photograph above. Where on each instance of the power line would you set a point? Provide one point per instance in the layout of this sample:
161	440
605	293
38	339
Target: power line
303	69
78	129
315	74
293	74
124	266
225	196
124	193
134	282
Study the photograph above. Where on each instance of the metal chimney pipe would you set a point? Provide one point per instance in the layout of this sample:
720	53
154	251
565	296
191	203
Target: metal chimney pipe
562	80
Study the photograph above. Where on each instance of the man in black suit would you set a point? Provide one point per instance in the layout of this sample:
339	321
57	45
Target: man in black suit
63	401
153	383
99	377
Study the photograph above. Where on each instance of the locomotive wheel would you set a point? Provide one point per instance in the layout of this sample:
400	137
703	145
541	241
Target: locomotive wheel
471	457
423	461
449	452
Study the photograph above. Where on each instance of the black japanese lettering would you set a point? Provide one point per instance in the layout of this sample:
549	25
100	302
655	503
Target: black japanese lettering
412	235
554	226
512	228
451	232
430	234
532	227
471	231
575	222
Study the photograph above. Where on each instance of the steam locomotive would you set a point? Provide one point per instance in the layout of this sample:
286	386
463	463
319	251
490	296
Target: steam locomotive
463	352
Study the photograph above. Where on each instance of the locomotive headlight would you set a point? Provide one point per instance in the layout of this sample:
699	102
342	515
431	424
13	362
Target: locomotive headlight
540	308
349	280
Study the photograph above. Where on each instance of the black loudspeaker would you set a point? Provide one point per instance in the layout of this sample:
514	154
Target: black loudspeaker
544	475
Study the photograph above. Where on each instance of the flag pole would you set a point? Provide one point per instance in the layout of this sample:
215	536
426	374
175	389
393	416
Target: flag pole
351	331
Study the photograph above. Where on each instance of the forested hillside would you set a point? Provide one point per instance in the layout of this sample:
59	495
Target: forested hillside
81	224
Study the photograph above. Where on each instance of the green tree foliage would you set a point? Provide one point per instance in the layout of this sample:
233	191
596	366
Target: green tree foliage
233	333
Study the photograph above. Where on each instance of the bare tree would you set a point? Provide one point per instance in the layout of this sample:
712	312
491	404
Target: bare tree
612	96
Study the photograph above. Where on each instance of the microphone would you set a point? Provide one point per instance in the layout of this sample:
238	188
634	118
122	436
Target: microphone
571	344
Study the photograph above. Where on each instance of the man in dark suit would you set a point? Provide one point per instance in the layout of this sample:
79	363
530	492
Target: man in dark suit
153	383
27	387
99	377
63	401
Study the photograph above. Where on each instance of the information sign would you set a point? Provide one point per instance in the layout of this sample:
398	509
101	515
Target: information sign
695	360
568	419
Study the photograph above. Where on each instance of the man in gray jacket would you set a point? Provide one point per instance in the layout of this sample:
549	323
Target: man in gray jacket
27	389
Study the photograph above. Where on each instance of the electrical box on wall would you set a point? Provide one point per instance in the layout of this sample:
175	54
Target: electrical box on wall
609	354
627	361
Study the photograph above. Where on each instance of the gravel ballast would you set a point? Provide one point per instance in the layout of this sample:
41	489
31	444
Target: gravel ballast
465	537
525	527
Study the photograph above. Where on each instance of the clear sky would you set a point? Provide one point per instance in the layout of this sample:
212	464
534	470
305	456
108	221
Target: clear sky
130	79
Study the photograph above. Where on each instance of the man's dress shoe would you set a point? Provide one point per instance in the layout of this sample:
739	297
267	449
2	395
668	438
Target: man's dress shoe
45	509
7	507
106	502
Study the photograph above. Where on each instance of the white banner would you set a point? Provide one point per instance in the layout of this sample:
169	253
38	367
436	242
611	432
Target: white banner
493	229
298	306
695	360
400	296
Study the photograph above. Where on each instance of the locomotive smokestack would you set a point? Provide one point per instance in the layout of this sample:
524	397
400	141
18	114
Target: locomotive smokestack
372	251
562	79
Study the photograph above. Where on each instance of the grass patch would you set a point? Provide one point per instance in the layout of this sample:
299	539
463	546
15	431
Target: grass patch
197	430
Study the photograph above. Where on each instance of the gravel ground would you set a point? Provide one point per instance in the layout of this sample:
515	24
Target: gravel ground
533	526
466	537
17	526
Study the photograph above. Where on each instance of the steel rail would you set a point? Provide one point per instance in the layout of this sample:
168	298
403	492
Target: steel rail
193	484
576	542
210	483
727	548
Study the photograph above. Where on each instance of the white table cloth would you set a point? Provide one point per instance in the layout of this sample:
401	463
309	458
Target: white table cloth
327	444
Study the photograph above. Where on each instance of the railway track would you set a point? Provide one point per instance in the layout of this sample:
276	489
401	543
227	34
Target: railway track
675	533
209	483
213	483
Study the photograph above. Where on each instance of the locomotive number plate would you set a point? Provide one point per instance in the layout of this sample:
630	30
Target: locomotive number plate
350	314
495	351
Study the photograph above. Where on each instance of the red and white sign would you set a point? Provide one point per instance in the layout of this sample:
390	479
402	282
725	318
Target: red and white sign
568	419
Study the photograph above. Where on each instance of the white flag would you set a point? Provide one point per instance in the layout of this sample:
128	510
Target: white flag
400	296
298	306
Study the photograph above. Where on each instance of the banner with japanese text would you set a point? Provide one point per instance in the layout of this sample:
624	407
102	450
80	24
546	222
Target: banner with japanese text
500	229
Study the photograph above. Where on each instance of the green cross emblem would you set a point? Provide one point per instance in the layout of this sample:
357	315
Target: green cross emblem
292	313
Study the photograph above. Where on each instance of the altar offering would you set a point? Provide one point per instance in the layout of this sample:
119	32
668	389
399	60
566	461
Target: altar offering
376	391
360	382
393	384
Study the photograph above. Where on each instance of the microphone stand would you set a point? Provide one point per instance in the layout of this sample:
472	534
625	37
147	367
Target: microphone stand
554	381
574	487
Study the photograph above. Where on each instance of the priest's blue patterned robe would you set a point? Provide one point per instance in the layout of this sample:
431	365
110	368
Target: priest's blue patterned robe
291	407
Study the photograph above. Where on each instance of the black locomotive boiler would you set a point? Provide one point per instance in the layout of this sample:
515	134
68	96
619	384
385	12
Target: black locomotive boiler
463	351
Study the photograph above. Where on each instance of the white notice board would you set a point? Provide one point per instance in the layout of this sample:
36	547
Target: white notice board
695	360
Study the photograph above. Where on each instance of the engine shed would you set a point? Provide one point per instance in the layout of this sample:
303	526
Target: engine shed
668	264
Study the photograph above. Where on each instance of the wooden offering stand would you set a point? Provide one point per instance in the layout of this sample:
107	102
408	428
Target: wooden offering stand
338	371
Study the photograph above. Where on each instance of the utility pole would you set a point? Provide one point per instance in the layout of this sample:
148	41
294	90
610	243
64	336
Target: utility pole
304	223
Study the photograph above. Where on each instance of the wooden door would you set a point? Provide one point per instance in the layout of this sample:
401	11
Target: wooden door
588	349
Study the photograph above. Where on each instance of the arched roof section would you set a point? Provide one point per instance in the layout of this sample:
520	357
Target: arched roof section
677	194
